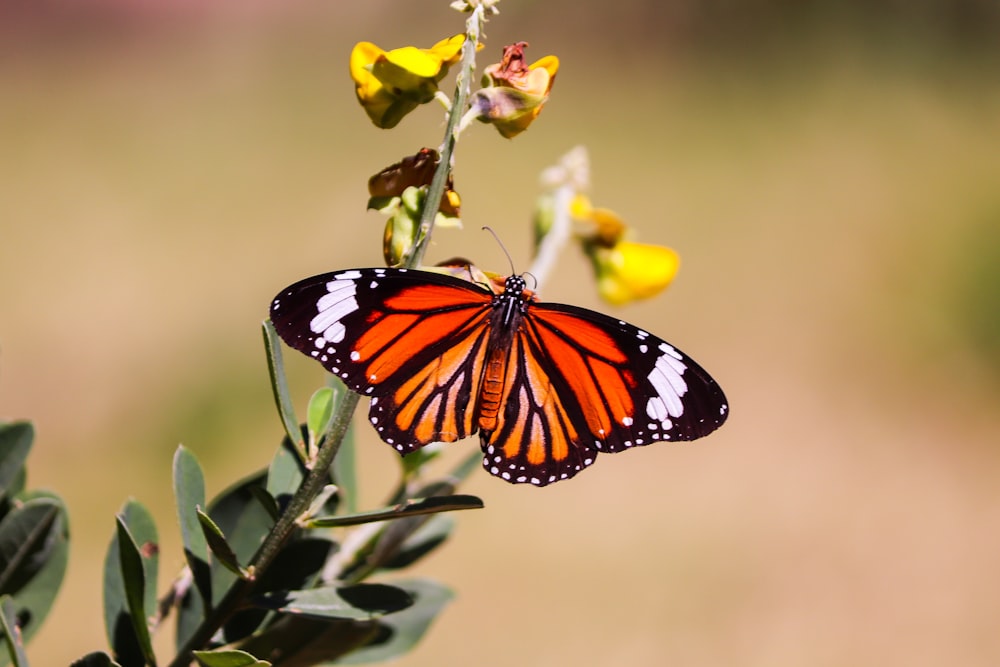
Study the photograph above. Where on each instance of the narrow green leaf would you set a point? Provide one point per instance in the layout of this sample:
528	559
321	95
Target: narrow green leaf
189	493
409	508
37	583
12	633
23	546
134	578
403	630
15	443
358	602
319	416
117	617
219	546
95	659
228	658
279	383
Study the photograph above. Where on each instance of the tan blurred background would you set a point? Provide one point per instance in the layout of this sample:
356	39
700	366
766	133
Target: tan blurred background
829	172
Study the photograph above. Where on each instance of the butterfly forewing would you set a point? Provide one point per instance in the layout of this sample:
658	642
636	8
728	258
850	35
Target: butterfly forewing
411	340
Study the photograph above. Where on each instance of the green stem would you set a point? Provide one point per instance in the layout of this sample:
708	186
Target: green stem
467	66
278	535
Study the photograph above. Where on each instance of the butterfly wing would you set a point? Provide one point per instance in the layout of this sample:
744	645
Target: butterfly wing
580	383
414	341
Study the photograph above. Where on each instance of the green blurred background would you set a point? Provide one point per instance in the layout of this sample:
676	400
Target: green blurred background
829	172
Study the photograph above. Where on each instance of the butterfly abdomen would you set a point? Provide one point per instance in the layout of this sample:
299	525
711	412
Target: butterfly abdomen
491	391
506	319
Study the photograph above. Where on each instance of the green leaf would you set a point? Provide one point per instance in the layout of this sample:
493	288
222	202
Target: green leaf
319	416
219	546
295	567
15	443
24	547
228	658
279	383
302	641
190	614
240	516
285	474
344	472
358	602
189	492
34	596
409	508
266	501
117	616
134	579
12	633
421	542
400	632
95	659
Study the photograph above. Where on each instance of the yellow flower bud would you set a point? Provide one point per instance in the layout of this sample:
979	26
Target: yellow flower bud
629	271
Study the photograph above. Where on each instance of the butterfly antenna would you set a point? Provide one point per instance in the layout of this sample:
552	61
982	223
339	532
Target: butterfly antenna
502	247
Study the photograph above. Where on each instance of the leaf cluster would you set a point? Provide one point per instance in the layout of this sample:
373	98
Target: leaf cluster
277	566
34	545
254	593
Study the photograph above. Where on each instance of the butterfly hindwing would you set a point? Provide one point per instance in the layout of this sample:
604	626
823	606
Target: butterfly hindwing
413	341
581	383
537	435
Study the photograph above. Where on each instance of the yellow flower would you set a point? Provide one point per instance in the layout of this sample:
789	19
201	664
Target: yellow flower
626	270
514	93
629	271
391	84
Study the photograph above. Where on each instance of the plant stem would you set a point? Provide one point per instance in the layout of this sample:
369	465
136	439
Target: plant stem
473	27
279	534
566	179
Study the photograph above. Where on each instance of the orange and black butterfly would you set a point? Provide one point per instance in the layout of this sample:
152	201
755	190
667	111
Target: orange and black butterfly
548	386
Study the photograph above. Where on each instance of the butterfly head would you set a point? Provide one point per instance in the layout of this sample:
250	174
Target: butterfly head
515	290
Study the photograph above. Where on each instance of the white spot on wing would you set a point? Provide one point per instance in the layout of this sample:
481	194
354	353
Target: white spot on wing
332	307
668	380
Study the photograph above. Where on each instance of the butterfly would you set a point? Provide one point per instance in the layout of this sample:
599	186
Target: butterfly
548	386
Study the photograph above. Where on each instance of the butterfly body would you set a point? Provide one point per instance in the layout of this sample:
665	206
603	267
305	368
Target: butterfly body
547	386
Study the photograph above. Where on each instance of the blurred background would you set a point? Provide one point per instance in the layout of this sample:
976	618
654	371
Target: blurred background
828	171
